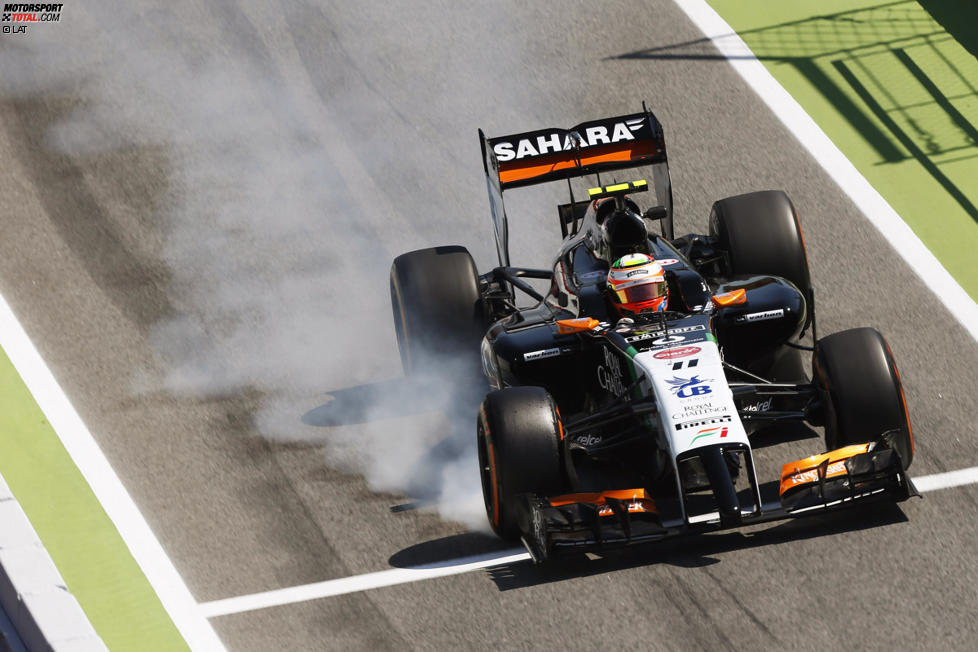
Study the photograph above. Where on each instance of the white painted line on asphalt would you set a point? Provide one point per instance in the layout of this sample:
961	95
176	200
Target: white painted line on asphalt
946	480
359	583
119	506
843	172
394	576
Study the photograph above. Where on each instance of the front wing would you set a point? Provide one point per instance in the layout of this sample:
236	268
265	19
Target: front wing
610	519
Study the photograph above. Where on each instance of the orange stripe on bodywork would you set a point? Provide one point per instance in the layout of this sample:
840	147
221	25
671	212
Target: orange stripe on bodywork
730	298
540	166
576	325
805	470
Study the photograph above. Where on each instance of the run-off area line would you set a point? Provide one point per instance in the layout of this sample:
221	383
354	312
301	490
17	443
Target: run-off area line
394	576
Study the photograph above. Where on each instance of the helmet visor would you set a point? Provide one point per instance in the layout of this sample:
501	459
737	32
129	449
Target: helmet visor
641	293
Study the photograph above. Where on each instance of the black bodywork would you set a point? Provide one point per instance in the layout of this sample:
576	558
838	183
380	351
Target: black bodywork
755	346
758	349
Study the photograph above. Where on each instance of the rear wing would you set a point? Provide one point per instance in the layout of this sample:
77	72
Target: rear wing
545	155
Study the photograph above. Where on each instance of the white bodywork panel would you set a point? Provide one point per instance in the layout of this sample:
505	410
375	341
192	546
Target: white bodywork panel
696	404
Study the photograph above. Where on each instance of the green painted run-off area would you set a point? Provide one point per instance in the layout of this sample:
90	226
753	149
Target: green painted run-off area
84	544
895	86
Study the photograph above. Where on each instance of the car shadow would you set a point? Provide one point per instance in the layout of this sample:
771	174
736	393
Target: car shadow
385	399
686	552
447	550
444	438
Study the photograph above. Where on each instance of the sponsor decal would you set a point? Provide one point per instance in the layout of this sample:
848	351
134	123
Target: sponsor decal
689	387
541	354
688	329
632	507
676	366
588	440
653	331
669	339
680	352
761	316
709	432
564	141
609	374
698	390
665	262
699	423
699	410
811	475
760	406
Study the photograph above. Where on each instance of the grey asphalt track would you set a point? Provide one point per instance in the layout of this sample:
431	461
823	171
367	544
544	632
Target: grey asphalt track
199	210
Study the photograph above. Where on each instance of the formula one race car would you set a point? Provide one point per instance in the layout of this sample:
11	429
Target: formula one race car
626	399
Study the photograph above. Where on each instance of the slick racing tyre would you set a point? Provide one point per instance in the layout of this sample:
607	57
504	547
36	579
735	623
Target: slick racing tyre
760	234
519	445
865	398
437	308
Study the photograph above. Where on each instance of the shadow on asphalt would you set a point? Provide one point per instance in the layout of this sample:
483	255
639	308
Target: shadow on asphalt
686	552
448	550
397	397
888	69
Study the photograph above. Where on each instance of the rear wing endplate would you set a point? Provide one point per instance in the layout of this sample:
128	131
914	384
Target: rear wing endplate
546	155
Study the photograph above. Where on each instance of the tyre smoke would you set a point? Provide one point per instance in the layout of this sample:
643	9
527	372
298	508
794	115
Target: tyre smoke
291	182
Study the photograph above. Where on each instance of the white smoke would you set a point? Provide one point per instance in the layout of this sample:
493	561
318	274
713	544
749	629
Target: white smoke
276	237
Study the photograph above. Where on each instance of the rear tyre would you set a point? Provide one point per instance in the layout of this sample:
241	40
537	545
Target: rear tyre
519	434
437	308
865	398
761	234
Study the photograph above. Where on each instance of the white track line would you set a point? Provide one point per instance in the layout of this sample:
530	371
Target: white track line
359	583
394	576
834	162
946	480
88	457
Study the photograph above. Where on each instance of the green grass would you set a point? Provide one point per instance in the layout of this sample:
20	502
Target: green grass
82	541
897	93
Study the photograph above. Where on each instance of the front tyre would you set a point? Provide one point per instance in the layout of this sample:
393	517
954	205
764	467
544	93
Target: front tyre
519	442
856	371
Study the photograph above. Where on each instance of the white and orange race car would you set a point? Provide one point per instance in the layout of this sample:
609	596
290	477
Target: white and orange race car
603	430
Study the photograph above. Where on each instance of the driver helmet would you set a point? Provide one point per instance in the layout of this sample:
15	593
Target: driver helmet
637	284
